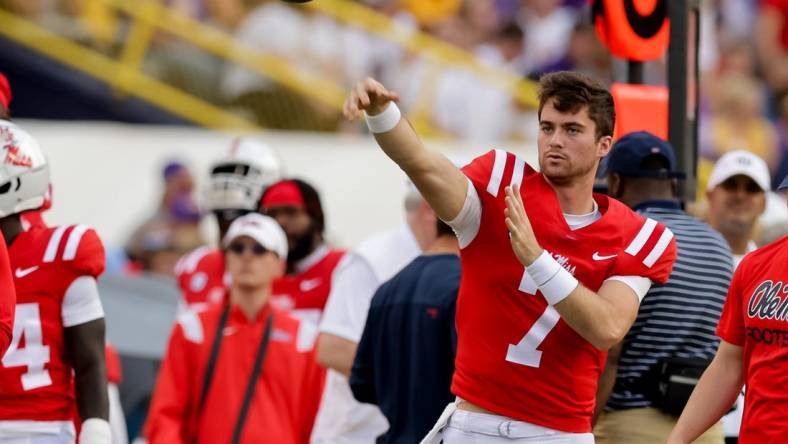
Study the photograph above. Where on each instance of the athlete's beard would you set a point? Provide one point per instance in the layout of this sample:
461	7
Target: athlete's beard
301	248
574	173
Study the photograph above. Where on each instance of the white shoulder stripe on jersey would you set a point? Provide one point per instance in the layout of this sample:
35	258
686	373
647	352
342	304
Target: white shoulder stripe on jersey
189	321
497	172
659	248
640	240
192	259
519	170
73	242
307	334
54	243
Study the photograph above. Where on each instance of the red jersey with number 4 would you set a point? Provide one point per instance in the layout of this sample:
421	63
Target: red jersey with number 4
35	375
755	317
515	356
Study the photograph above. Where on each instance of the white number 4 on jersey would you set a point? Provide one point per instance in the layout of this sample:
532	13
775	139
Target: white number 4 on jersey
27	324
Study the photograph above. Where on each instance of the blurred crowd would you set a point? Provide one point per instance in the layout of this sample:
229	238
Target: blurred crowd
743	59
268	220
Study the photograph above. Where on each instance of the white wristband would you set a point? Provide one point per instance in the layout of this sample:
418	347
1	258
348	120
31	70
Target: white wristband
559	287
385	121
551	278
543	268
95	431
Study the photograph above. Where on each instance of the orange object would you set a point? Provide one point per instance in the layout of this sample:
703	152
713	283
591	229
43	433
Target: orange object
636	30
640	108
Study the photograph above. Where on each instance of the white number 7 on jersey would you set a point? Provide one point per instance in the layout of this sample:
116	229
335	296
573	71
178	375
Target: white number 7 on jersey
27	322
525	352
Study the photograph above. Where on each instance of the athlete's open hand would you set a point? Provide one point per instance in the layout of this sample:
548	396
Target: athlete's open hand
368	96
524	243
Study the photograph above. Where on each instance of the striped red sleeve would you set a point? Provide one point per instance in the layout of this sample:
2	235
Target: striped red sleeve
651	253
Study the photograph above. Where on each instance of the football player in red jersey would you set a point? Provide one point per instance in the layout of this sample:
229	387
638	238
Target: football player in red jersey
304	289
7	291
532	340
35	218
7	298
236	183
56	357
753	351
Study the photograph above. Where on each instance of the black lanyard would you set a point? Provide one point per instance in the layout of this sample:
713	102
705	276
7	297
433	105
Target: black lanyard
255	375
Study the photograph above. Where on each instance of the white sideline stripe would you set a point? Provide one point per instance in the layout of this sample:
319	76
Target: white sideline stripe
73	242
640	240
519	170
497	173
659	248
54	243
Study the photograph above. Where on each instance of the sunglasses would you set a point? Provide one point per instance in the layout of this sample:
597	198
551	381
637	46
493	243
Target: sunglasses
239	248
748	185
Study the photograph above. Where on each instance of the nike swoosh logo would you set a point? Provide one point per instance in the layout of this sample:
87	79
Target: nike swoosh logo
597	257
22	272
309	285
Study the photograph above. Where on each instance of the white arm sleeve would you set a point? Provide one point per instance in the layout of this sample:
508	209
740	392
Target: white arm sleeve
639	284
81	303
466	224
352	287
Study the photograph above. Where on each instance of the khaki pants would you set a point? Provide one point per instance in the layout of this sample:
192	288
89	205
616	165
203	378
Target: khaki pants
644	426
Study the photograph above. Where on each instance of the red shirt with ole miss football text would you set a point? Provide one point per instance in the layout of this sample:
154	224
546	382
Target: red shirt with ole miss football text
755	317
516	357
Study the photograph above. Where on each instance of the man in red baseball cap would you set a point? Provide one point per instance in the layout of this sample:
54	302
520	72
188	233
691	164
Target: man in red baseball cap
5	97
304	289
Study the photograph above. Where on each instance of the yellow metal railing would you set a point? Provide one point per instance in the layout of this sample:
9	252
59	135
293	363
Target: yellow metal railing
134	82
435	50
149	17
224	46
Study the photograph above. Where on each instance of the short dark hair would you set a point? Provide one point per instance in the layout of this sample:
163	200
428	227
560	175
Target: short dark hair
570	91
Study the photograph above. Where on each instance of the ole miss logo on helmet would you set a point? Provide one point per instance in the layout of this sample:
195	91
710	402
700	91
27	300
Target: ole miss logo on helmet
13	155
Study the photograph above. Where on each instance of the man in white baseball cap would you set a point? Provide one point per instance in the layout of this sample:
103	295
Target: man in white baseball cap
241	371
736	194
261	229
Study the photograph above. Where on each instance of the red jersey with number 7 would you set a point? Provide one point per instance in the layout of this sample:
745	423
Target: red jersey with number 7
50	266
515	356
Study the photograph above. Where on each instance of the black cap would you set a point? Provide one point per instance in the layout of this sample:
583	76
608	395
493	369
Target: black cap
627	156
